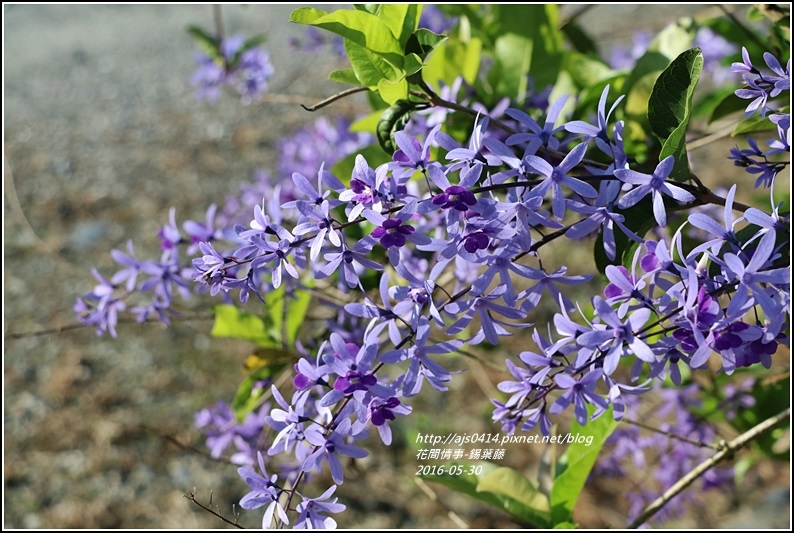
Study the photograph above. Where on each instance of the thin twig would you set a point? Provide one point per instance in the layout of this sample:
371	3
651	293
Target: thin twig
192	497
122	320
727	450
672	435
217	17
334	98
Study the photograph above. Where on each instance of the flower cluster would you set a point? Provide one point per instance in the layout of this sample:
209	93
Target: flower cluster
761	87
440	248
240	65
457	254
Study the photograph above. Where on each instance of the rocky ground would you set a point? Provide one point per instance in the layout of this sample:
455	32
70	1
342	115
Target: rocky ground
101	136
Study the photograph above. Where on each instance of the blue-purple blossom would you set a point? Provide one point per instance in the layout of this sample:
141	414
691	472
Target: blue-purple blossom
330	447
248	71
309	510
579	392
656	185
264	491
556	177
611	334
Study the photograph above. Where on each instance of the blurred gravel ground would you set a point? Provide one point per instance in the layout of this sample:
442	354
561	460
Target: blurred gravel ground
102	136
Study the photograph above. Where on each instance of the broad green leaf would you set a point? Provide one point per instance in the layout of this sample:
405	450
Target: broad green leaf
368	66
360	27
519	496
581	42
451	59
586	71
579	459
526	504
532	28
401	19
393	91
413	64
513	58
753	123
565	525
296	311
667	45
367	123
347	75
233	322
670	108
369	8
275	314
422	42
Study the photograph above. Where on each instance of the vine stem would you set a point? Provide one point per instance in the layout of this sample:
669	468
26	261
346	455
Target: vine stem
333	98
727	450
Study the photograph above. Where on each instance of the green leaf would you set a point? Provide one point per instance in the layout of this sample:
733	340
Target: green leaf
670	108
585	70
518	495
246	399
422	42
392	91
369	8
579	458
296	311
526	504
401	19
233	322
753	123
513	58
208	43
451	59
667	45
581	42
360	27
522	29
368	66
274	314
347	75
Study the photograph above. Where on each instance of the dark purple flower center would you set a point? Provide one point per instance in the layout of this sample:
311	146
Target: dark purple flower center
392	233
475	241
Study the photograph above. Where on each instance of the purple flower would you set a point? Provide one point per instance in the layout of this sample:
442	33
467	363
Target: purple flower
598	132
330	447
580	393
246	70
345	260
412	156
264	491
558	176
104	314
539	137
656	185
309	510
610	336
750	277
382	410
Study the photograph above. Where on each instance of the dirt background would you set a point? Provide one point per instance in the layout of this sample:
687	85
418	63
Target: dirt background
101	136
